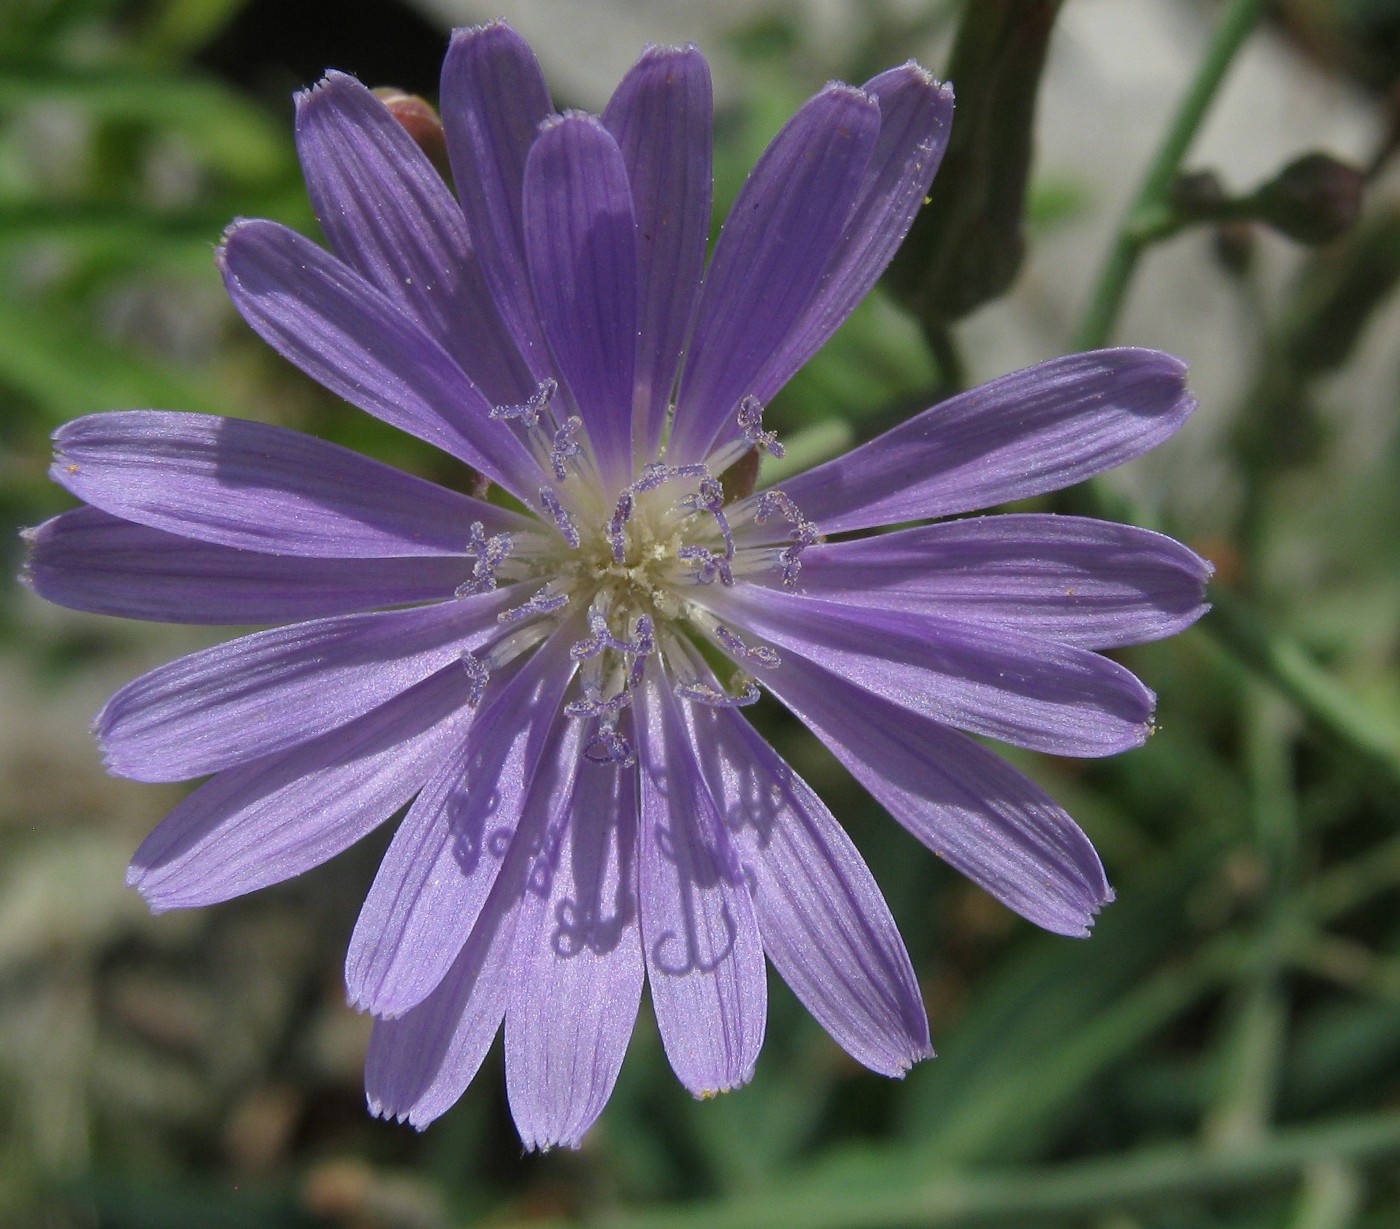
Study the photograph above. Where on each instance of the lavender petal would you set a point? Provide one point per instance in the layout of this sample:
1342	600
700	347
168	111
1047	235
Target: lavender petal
447	853
1003	684
825	925
1082	582
703	953
579	967
420	1063
259	487
266	821
1033	431
322	316
388	214
915	115
969	806
494	98
276	689
581	246
777	242
661	115
89	560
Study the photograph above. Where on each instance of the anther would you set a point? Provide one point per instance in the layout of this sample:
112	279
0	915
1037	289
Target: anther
528	415
708	694
565	523
708	565
616	531
804	532
565	446
490	554
541	602
760	655
478	675
751	424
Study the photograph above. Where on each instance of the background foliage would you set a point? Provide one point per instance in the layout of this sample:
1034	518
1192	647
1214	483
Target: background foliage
1225	1051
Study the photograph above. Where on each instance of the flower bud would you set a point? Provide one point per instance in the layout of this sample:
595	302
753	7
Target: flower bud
419	118
1313	200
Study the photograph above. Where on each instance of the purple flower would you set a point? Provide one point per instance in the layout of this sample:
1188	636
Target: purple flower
541	677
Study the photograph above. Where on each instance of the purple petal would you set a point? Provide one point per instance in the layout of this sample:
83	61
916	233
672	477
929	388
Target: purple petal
277	689
581	243
777	242
1036	430
661	115
578	961
825	925
326	319
419	1064
263	488
89	560
915	114
1083	582
494	98
1021	689
267	821
966	804
703	953
389	215
447	853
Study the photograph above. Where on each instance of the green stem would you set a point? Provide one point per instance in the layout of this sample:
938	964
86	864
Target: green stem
1149	206
1140	1179
1285	665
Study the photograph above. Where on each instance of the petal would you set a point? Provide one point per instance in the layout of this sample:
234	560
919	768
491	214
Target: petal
915	115
388	214
494	98
581	243
703	953
662	116
266	821
966	804
1083	582
447	853
262	488
322	316
578	963
419	1064
89	560
777	242
1036	430
277	689
985	680
825	925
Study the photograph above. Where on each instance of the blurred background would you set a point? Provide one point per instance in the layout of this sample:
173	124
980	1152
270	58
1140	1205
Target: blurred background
1225	1051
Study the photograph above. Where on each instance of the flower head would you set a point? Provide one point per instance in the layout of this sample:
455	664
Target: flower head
554	680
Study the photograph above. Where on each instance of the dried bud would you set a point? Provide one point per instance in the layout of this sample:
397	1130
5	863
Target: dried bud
1313	200
1232	245
419	118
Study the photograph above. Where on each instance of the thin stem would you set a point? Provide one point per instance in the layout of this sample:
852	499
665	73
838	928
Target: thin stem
1145	217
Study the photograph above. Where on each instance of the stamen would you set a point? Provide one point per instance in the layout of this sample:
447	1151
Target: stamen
804	532
760	655
707	564
565	446
602	638
490	554
610	747
478	675
751	424
528	415
541	602
707	693
657	473
565	523
616	532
